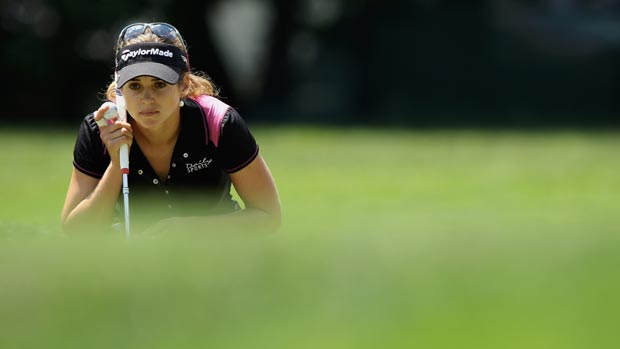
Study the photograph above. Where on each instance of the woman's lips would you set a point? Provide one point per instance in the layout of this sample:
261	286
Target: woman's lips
148	112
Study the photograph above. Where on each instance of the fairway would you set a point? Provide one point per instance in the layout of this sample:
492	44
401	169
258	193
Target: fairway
391	238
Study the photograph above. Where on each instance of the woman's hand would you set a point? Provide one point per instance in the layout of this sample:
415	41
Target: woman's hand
114	134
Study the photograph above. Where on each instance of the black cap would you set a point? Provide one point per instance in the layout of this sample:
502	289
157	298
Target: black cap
162	61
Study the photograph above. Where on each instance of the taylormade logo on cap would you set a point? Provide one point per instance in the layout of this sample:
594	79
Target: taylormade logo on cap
127	54
163	61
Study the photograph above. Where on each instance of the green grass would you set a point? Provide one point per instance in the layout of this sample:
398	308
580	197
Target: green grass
390	239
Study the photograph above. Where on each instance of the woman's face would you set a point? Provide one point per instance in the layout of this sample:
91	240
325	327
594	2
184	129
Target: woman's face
151	101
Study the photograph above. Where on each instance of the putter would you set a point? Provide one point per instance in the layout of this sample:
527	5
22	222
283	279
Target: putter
124	157
118	111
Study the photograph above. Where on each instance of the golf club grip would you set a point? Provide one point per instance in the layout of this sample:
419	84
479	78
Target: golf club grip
124	157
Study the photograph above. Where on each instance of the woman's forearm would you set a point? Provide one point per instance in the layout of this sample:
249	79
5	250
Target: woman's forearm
95	212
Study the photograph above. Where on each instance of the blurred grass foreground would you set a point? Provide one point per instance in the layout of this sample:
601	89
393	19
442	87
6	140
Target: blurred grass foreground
391	239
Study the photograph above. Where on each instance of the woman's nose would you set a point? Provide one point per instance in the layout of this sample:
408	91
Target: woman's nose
146	97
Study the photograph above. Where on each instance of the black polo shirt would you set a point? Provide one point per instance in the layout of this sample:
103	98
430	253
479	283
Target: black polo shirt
213	142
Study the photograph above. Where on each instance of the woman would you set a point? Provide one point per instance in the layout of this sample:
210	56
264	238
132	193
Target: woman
186	148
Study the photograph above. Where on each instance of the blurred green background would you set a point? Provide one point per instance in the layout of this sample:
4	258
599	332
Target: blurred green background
448	174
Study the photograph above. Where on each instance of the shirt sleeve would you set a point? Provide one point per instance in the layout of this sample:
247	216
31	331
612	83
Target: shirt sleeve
237	145
90	155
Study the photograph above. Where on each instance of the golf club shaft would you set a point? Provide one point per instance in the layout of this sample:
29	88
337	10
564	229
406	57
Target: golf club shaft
124	159
126	205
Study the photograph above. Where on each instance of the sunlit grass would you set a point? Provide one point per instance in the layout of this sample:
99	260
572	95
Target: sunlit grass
391	239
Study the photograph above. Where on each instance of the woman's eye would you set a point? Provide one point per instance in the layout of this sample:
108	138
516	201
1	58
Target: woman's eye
160	84
134	86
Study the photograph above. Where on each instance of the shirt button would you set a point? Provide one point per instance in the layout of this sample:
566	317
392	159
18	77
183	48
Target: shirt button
140	172
155	181
169	176
185	155
174	165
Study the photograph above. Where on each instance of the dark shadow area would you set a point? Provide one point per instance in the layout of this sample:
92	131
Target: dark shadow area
396	63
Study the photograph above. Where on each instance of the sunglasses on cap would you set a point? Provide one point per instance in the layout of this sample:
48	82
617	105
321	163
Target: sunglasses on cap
163	30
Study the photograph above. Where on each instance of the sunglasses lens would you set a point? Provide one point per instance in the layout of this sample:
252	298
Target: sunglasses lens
165	31
131	32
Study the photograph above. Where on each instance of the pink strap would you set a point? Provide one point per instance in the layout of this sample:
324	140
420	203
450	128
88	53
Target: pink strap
214	111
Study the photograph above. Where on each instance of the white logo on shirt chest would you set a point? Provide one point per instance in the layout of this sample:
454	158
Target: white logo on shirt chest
200	165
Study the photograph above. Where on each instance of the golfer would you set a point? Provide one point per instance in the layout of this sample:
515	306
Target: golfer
186	148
